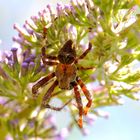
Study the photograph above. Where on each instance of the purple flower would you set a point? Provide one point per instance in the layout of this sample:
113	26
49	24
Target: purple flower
14	52
8	137
91	118
27	60
3	100
8	55
14	122
31	123
49	8
24	68
25	65
32	56
59	9
26	54
34	19
30	32
91	35
63	134
18	40
51	119
14	49
85	131
103	114
67	8
20	31
31	65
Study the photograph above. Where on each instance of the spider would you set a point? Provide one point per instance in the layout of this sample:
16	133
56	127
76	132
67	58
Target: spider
66	77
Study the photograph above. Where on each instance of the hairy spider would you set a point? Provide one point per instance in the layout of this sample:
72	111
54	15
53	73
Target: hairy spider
66	77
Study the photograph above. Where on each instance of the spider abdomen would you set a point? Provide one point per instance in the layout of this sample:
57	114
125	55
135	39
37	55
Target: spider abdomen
65	73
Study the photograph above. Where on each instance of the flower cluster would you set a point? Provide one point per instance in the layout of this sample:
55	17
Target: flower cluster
112	27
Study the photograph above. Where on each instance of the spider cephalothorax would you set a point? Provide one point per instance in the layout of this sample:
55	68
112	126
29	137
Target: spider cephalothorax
67	53
66	77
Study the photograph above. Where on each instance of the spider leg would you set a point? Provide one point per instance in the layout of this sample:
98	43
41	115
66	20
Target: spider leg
56	108
50	63
49	57
79	104
41	83
48	94
43	50
84	68
84	53
47	97
86	93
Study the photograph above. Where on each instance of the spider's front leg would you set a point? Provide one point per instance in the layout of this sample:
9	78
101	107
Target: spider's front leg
82	56
84	68
43	50
49	57
84	53
79	104
41	83
86	93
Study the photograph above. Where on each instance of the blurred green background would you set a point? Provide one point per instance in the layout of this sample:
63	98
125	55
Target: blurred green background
124	121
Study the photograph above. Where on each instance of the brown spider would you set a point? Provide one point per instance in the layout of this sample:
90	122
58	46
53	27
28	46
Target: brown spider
66	77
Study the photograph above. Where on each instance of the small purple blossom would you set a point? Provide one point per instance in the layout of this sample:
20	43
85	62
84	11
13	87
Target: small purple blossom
91	118
63	134
31	67
51	119
18	40
49	8
9	137
59	9
27	60
20	30
14	122
8	56
67	8
32	123
85	131
103	114
14	49
14	52
31	64
25	65
30	32
32	56
34	19
24	68
2	100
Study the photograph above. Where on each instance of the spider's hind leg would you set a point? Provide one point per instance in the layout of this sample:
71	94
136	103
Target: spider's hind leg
56	108
79	104
41	83
86	93
48	96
